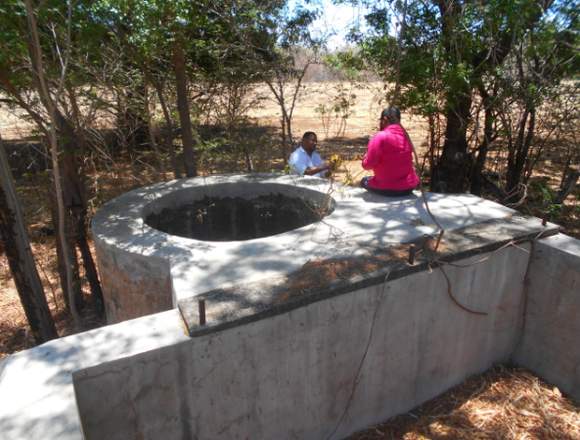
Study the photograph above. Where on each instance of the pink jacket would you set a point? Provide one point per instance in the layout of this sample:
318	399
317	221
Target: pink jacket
390	156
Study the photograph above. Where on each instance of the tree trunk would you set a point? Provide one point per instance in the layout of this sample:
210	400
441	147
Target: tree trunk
451	173
15	239
477	172
518	158
35	51
183	109
249	161
131	124
78	210
75	202
71	288
284	151
289	134
567	186
91	270
285	120
433	140
169	123
152	136
75	212
397	92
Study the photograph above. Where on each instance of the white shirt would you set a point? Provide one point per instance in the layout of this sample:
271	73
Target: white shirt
300	161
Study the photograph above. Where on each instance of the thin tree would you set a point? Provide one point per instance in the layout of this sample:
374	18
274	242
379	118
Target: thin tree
180	69
20	259
285	75
44	94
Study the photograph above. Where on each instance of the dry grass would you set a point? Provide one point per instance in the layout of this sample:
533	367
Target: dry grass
504	403
15	334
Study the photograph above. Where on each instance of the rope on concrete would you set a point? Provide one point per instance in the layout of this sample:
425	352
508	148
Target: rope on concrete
511	243
425	202
455	301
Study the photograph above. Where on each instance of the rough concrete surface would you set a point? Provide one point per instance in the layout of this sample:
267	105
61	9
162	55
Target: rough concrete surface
359	220
36	391
132	284
550	345
291	375
251	301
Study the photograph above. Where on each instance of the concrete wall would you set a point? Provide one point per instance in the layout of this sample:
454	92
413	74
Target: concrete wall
141	267
291	375
550	344
36	391
134	285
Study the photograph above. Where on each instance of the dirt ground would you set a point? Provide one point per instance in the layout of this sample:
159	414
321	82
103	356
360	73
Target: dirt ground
124	175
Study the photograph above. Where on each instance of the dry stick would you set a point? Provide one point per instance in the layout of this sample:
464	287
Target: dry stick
511	243
52	289
45	94
524	189
481	260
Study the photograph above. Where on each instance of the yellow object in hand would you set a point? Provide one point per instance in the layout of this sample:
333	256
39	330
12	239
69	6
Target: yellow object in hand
334	162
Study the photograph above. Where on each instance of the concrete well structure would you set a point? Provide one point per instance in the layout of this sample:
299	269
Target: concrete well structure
145	270
281	359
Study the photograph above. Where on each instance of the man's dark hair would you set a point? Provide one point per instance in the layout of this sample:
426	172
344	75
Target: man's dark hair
308	134
393	114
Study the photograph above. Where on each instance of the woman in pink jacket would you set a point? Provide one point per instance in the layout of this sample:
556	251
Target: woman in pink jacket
390	156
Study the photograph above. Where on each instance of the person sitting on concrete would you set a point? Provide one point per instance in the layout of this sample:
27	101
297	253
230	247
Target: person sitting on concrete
390	156
305	160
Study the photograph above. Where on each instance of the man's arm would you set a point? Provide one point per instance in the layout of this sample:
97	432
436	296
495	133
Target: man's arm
318	165
315	170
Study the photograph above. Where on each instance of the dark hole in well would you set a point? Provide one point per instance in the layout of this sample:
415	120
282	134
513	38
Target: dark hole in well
235	218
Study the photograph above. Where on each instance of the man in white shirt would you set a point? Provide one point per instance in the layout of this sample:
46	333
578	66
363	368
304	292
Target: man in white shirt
305	160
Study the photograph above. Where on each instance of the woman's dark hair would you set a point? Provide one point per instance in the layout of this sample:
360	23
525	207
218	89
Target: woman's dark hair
393	114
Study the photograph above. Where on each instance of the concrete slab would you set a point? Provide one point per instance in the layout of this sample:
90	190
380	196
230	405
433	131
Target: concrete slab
145	270
41	403
251	301
36	391
144	378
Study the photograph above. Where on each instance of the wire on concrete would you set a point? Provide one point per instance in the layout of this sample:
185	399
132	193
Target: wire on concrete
455	301
425	202
362	361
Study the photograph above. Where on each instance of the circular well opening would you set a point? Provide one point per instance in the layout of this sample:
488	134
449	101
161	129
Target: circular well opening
234	218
